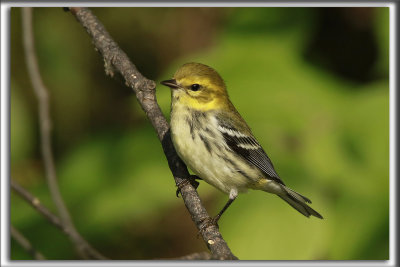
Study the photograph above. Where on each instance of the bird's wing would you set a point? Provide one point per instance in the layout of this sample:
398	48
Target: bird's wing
245	145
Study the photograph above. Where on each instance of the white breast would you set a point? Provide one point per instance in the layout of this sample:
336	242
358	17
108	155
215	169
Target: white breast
220	168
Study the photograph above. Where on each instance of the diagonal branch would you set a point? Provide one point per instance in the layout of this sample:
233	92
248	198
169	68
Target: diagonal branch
38	206
116	60
83	248
25	244
35	203
47	214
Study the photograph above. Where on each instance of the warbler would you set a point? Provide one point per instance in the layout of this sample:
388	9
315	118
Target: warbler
215	142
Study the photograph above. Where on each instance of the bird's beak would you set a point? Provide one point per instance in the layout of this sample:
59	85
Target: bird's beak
170	83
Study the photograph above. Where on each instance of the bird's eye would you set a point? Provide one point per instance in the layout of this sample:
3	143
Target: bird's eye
195	87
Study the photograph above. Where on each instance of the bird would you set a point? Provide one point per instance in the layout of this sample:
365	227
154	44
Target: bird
216	143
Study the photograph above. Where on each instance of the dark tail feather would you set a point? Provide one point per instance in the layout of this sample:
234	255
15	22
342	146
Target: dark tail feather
299	205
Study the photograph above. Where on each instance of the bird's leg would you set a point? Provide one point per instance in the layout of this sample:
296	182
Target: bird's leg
214	221
191	180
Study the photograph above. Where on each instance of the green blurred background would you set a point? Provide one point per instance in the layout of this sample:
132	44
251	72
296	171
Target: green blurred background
312	83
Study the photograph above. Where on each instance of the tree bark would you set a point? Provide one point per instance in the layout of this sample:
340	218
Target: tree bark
116	60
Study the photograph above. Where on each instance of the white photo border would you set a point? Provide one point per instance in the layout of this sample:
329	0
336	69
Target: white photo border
5	129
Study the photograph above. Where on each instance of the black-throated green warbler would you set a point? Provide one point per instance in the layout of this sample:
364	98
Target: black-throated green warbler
215	142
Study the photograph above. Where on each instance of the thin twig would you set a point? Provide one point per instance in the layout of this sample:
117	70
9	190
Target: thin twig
25	244
38	206
116	60
84	250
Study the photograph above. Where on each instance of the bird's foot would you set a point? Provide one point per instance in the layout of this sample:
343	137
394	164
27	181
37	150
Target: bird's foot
191	180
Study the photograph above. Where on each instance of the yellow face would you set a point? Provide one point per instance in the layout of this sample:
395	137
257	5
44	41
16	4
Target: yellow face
197	86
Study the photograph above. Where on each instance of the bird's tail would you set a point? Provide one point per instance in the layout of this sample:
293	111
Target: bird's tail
298	202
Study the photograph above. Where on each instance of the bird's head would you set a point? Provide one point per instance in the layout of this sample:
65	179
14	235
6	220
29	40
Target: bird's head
198	86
